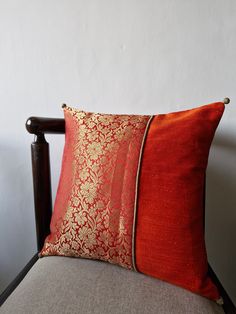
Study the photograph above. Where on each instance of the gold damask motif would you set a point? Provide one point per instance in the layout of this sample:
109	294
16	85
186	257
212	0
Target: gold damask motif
97	220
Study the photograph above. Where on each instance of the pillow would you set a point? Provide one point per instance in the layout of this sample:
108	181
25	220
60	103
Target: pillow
131	192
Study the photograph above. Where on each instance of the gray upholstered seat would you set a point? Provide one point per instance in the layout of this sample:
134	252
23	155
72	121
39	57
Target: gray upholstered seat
72	285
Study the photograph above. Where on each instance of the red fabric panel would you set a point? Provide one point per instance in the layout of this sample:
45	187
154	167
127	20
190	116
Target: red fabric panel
169	231
94	207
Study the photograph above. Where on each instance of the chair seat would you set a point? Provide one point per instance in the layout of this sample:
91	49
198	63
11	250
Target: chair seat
73	285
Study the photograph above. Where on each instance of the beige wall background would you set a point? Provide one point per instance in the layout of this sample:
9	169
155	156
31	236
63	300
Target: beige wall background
127	56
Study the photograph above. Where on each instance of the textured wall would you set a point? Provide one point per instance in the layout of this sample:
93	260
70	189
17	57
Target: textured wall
114	56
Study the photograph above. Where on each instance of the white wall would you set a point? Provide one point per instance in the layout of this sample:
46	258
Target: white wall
126	56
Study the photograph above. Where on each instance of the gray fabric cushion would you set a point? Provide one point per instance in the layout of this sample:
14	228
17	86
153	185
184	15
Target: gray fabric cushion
73	285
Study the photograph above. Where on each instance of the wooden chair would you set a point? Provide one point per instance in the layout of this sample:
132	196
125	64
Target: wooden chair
43	210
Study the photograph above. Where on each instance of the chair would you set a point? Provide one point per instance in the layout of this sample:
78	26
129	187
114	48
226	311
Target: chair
73	285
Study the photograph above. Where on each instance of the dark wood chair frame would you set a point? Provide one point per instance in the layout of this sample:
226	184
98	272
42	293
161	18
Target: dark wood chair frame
43	197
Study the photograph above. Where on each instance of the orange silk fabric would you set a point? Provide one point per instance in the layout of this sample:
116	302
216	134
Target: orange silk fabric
94	208
169	229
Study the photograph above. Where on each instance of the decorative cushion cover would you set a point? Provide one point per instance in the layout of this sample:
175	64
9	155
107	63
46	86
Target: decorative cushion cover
131	192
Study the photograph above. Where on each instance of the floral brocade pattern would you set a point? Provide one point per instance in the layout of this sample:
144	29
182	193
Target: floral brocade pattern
97	217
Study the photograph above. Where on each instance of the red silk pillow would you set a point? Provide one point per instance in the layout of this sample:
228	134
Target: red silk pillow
131	192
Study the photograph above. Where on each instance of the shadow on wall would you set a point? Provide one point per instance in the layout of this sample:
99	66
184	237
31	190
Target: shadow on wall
16	212
221	211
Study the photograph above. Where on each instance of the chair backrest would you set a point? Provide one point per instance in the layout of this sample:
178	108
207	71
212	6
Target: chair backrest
41	171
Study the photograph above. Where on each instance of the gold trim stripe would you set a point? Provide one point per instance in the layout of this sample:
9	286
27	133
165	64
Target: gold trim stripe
136	193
